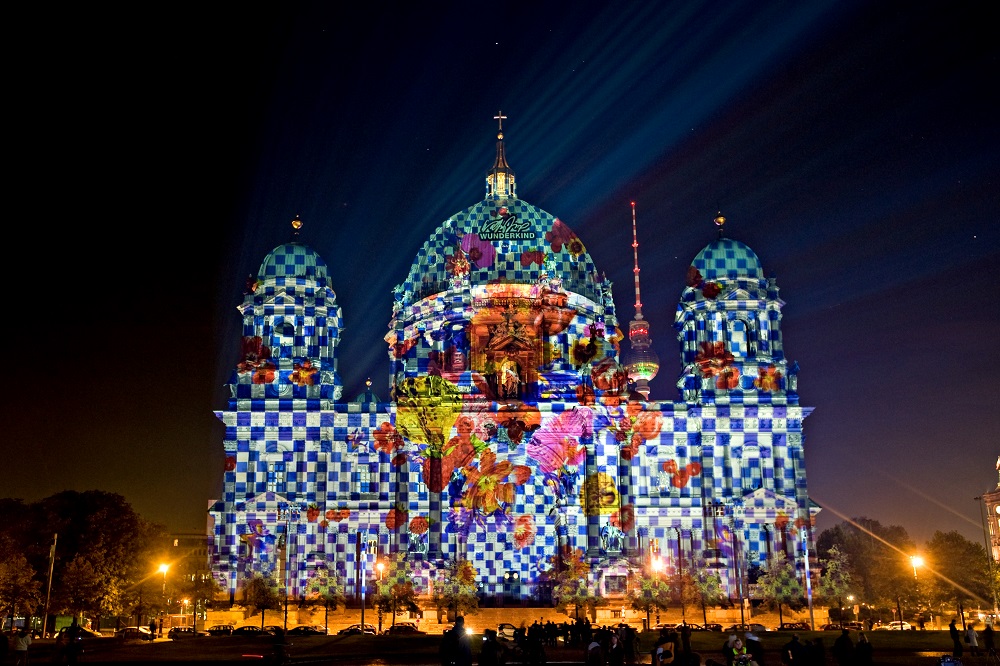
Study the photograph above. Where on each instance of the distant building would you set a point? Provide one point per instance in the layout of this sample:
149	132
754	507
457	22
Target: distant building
991	500
511	435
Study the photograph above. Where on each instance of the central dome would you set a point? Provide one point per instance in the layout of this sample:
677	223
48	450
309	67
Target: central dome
503	241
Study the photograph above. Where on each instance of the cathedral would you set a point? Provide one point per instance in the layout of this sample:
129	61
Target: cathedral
519	428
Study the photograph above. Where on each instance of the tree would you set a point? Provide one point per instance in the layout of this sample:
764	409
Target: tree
394	591
706	584
261	593
834	579
779	585
874	553
19	590
650	593
570	575
457	592
325	586
956	572
101	548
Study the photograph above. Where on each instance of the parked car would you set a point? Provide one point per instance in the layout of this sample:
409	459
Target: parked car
307	630
794	626
134	634
357	629
505	631
247	630
667	626
837	626
220	630
752	626
180	633
408	629
711	626
895	626
82	634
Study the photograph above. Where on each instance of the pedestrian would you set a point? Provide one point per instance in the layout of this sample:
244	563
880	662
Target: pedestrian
843	648
595	655
972	638
754	648
737	653
664	650
152	628
455	647
616	651
21	642
863	651
492	652
793	652
988	646
956	640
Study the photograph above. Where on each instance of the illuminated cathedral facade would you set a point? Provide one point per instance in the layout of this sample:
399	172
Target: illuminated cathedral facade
518	429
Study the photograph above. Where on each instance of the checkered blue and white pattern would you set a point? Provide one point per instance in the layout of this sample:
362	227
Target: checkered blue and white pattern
308	477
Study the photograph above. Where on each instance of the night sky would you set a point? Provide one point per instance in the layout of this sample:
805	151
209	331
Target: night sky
160	154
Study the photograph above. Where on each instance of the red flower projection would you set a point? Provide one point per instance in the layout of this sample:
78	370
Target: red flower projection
524	531
457	264
387	440
230	463
399	350
608	375
623	519
487	486
680	477
303	374
561	235
529	257
728	378
395	517
769	379
711	289
693	277
338	515
419	525
713	357
254	353
312	513
264	374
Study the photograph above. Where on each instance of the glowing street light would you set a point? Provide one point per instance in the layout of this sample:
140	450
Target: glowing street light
381	569
163	570
916	561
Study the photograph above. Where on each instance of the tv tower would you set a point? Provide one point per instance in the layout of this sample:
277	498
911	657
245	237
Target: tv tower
641	362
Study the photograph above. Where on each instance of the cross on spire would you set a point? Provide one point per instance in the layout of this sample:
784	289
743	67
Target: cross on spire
500	118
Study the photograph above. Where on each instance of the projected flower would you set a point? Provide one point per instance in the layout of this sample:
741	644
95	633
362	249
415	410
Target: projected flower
254	353
769	379
480	252
524	531
557	444
304	374
486	486
712	358
456	263
387	440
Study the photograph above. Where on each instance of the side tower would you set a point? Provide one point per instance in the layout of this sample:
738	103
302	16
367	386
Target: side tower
737	382
285	381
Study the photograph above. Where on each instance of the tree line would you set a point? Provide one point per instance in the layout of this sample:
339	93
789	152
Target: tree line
106	557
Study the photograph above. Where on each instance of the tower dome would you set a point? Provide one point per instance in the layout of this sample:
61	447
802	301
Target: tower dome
727	259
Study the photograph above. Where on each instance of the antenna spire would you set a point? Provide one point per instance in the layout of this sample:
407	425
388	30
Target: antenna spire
635	269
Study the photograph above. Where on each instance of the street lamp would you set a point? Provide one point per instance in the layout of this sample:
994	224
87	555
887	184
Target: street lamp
163	570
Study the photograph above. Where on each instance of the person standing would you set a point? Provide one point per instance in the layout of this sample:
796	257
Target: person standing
988	646
843	648
956	640
616	651
21	642
793	652
863	651
972	638
755	648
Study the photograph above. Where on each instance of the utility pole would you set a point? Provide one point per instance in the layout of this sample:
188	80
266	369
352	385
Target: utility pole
48	594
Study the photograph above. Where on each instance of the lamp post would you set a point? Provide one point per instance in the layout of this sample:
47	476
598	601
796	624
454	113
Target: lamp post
163	594
989	551
916	561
